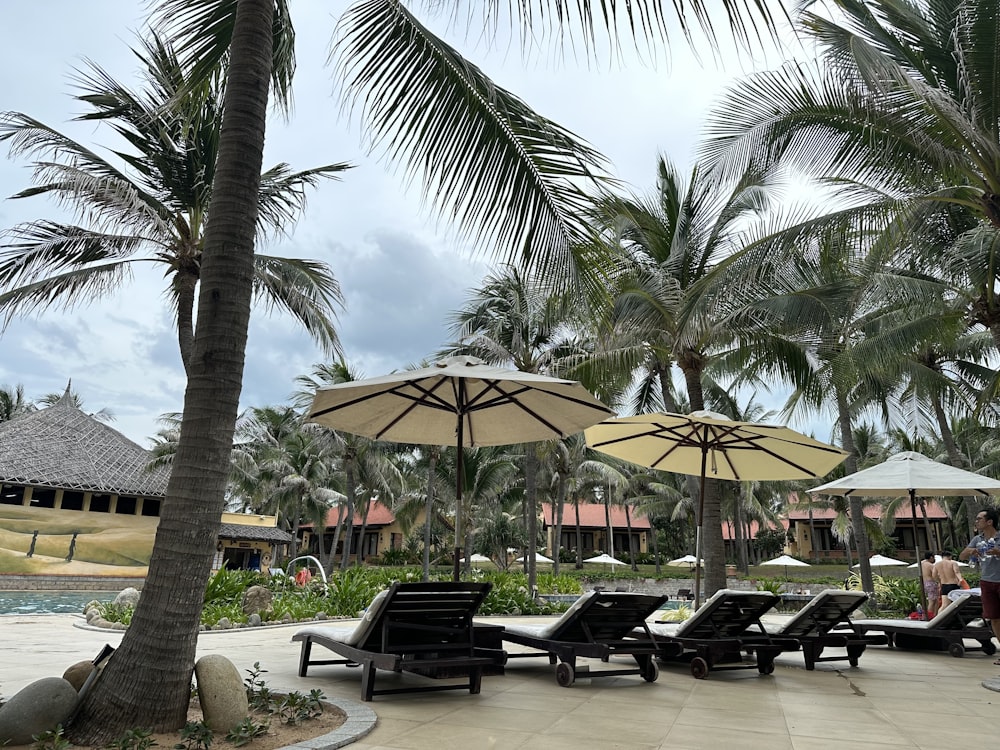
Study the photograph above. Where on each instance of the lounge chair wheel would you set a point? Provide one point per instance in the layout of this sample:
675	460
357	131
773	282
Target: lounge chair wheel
957	650
565	674
699	668
766	668
651	672
989	649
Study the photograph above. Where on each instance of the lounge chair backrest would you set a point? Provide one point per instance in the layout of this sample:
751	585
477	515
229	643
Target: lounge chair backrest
602	616
728	614
418	613
827	610
958	614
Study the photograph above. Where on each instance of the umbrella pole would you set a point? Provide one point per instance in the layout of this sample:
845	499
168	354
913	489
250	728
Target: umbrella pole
916	549
456	572
697	533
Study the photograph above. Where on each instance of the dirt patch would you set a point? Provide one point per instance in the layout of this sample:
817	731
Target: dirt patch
278	734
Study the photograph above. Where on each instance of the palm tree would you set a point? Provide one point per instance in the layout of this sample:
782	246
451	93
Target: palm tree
13	402
154	213
444	120
900	114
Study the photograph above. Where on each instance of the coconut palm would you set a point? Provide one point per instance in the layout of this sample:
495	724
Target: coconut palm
900	112
13	403
434	109
152	212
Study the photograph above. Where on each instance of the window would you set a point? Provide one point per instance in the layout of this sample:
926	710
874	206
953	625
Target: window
151	507
11	494
126	505
72	500
43	497
100	503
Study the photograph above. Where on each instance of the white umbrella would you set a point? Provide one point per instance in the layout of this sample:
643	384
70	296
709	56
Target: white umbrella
458	401
881	561
910	474
477	558
709	445
685	561
538	558
605	558
937	559
786	560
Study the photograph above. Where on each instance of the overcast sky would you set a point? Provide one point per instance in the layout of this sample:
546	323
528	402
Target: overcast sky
400	273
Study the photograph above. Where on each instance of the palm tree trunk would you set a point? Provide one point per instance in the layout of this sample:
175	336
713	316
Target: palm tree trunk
812	537
561	490
955	458
429	512
740	538
530	492
857	509
631	550
579	533
656	545
336	536
349	516
147	682
185	284
364	529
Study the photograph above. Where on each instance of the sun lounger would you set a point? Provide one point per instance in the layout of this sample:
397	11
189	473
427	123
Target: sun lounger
825	622
721	630
423	628
958	622
597	626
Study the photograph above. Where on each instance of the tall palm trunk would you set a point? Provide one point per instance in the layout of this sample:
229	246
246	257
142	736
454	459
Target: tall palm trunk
812	537
336	536
857	509
631	550
579	533
429	513
364	530
147	683
656	545
955	458
345	559
740	539
561	491
530	497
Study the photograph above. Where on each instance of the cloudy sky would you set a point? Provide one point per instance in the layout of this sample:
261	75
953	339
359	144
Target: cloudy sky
400	272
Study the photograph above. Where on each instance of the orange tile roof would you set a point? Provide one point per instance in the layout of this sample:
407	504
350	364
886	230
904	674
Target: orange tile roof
729	530
592	516
903	512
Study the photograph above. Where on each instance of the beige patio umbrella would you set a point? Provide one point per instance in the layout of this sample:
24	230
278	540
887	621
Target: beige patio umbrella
706	444
911	474
458	401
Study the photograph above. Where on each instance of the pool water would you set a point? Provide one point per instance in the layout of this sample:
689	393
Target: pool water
49	602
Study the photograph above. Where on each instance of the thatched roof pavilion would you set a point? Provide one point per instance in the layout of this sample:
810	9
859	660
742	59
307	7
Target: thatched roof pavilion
63	447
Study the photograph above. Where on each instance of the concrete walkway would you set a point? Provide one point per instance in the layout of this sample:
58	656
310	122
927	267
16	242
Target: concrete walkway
894	699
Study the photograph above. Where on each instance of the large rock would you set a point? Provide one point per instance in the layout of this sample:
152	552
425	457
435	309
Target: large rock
40	707
221	692
78	673
257	599
127	597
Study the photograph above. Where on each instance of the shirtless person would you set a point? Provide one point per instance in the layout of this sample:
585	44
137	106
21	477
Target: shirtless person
948	575
932	590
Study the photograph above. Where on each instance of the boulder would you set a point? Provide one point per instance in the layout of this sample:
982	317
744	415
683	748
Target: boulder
221	692
127	597
40	707
78	673
257	599
254	620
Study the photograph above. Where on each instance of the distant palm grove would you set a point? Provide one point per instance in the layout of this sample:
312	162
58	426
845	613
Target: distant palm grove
873	309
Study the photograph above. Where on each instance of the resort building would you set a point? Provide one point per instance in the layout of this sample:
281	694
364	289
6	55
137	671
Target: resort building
78	498
603	528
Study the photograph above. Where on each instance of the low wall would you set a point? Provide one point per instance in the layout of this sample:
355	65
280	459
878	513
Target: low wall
41	582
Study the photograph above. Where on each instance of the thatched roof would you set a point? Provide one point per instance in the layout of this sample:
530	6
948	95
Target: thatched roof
254	533
62	447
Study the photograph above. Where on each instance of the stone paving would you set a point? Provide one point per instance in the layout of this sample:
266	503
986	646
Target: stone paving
894	699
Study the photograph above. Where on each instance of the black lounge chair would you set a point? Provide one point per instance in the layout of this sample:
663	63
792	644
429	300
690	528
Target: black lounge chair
598	625
959	621
423	628
718	633
825	622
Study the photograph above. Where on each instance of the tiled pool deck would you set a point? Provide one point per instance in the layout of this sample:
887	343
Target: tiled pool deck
895	699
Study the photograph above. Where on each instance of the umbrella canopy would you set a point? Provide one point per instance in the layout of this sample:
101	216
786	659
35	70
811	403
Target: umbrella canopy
538	558
881	561
477	558
681	562
707	444
910	474
785	560
458	401
605	558
937	559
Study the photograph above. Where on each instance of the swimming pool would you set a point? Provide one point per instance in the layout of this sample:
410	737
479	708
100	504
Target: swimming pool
48	602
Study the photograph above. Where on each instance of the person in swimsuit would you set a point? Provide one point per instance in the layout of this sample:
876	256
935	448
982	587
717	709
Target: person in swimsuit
932	589
947	574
